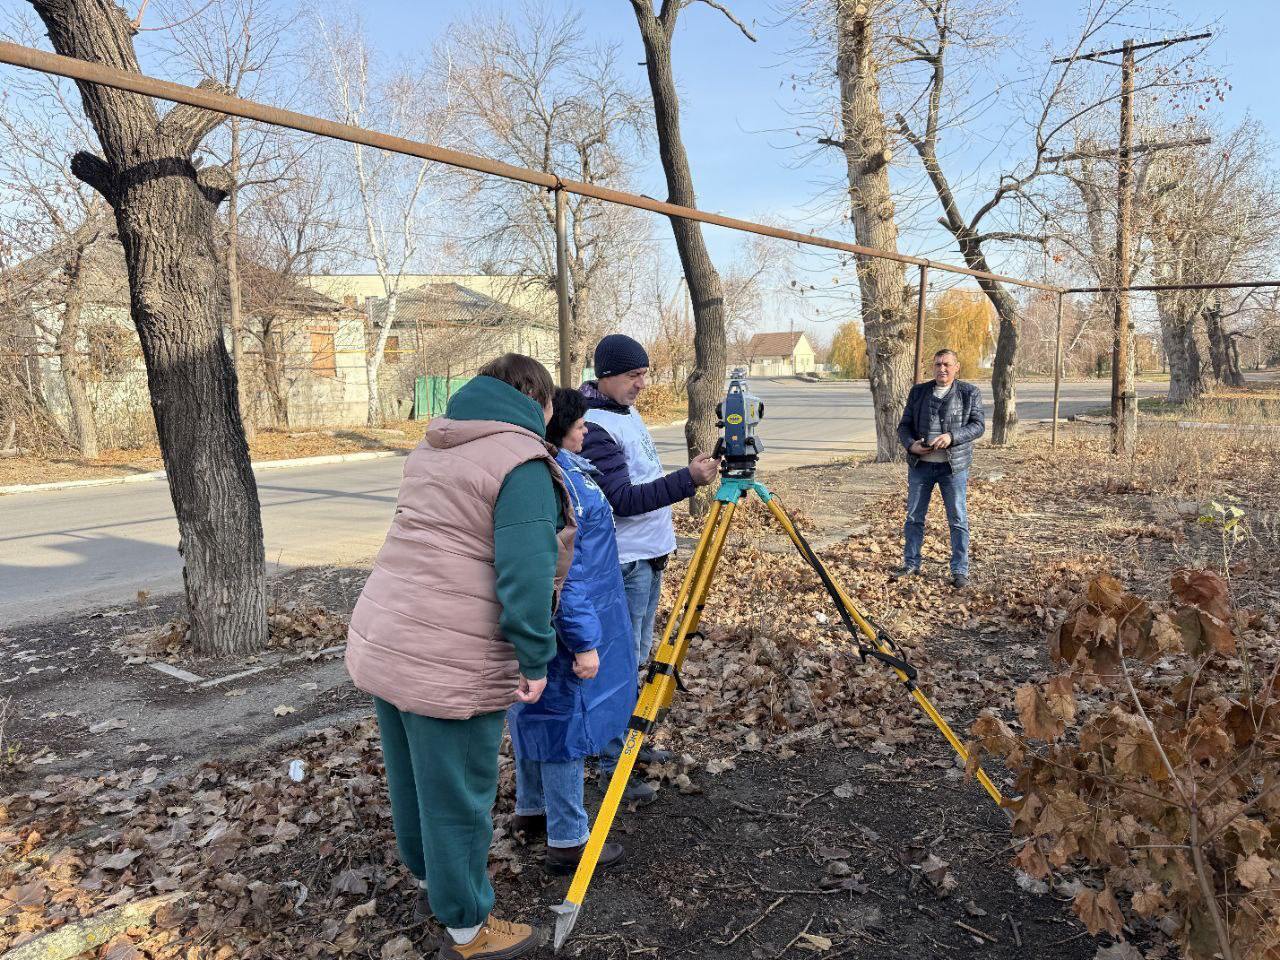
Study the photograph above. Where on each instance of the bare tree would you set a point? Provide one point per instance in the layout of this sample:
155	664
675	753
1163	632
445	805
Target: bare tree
531	91
52	221
165	213
396	192
943	31
886	321
1214	219
240	44
657	31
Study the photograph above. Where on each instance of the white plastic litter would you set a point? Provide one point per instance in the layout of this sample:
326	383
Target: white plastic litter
297	770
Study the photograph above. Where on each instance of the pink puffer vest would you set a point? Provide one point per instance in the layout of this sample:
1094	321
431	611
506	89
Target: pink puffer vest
424	635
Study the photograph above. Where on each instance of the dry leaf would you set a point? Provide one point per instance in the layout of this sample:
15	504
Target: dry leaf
1035	714
1254	872
1098	911
366	909
813	941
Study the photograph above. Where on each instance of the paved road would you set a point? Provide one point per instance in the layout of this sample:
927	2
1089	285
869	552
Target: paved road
73	550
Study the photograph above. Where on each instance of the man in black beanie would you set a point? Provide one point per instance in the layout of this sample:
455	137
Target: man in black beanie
641	494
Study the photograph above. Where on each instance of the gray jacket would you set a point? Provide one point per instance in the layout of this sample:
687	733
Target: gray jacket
962	417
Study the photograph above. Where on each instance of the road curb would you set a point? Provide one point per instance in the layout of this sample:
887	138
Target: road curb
159	474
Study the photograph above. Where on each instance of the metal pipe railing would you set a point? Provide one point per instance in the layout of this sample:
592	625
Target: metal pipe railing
82	70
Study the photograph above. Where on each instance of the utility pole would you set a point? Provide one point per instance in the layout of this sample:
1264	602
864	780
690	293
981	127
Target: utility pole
1124	402
1124	397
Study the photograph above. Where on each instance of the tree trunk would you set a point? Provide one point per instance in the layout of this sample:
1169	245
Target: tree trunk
706	382
1177	332
273	370
165	215
886	321
1222	352
373	358
72	362
234	318
1004	397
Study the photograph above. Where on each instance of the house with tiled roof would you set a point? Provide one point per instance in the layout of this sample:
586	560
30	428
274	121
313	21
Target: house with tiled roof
782	354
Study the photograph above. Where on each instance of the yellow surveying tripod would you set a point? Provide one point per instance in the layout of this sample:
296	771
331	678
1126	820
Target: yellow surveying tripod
664	670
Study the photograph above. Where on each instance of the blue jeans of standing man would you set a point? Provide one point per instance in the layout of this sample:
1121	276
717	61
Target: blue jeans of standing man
921	479
643	585
556	790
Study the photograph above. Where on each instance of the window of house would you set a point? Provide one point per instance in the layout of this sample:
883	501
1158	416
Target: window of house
392	350
323	357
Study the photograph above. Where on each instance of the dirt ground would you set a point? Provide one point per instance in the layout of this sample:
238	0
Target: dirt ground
812	810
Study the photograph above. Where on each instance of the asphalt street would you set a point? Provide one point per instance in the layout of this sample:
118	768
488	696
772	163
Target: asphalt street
73	550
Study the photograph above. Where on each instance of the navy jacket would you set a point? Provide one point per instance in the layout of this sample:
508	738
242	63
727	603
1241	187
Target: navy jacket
626	498
962	417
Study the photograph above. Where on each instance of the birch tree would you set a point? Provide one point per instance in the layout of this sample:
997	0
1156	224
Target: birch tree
397	194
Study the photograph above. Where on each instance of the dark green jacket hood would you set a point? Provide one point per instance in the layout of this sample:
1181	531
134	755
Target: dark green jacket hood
486	398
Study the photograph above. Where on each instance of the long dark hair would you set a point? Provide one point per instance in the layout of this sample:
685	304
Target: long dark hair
567	408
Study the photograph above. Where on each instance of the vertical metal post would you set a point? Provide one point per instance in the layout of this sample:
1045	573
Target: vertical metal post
1124	407
917	376
1057	375
562	289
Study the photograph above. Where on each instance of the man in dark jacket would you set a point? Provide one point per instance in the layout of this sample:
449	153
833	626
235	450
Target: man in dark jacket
942	419
641	493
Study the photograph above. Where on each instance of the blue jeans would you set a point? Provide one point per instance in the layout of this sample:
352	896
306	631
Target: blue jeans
556	790
643	585
921	479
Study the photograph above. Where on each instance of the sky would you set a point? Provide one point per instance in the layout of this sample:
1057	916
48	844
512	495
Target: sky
739	105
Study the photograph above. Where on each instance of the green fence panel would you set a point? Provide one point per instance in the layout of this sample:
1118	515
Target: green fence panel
431	395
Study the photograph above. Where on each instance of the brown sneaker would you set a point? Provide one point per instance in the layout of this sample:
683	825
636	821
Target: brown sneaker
497	940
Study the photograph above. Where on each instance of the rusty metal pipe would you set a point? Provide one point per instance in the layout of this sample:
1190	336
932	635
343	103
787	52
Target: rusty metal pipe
82	70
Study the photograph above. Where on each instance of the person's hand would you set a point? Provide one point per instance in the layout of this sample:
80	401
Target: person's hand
586	664
530	691
919	448
942	442
704	468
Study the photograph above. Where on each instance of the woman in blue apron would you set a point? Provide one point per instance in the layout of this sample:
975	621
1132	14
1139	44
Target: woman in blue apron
591	683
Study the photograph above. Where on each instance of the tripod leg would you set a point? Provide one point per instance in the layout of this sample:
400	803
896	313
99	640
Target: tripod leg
869	631
655	697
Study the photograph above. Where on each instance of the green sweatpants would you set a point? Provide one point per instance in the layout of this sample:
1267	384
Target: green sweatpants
442	776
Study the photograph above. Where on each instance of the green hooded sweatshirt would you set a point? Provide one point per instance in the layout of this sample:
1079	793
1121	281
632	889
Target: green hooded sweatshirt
525	521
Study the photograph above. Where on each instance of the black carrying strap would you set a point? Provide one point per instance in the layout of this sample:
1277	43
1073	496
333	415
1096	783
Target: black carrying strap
897	659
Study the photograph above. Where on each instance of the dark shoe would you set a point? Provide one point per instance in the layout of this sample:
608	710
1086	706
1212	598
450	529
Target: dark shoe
904	571
564	860
529	828
649	755
959	580
421	908
497	940
637	792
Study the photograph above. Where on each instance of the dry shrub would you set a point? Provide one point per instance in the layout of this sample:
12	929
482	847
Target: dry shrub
661	402
1152	757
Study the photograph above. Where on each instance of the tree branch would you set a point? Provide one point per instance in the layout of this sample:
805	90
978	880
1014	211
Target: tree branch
185	126
729	14
96	172
215	183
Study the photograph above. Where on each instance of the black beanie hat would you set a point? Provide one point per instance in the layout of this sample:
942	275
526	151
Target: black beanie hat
618	353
